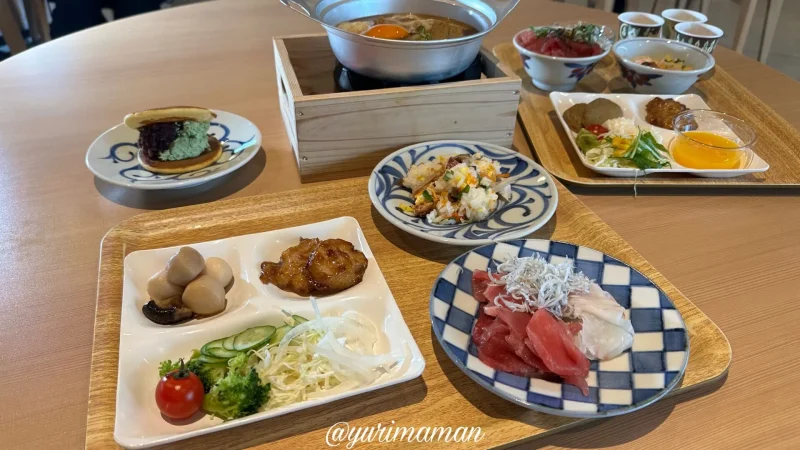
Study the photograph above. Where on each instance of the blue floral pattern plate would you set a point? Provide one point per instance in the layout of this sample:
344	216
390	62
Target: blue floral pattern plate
638	377
533	200
112	156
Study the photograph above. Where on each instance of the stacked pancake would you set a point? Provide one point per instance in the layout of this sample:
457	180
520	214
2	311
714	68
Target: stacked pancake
175	139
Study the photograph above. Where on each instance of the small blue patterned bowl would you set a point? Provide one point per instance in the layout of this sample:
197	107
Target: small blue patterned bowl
635	379
112	157
534	195
554	73
651	80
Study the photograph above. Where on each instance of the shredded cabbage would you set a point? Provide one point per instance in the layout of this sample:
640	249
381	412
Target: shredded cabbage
321	357
535	283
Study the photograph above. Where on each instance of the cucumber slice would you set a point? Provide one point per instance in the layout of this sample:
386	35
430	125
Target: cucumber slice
211	359
279	334
227	344
299	319
213	344
253	337
220	352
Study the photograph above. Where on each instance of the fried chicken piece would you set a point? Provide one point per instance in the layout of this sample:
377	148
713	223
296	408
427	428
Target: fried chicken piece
336	265
291	273
660	112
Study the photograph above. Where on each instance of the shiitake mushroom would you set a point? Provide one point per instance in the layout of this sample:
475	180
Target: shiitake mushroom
166	316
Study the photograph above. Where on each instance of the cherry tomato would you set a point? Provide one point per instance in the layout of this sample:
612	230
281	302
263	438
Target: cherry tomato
597	130
179	394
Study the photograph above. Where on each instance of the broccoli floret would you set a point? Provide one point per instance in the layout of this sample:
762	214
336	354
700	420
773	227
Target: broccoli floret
238	363
209	374
236	395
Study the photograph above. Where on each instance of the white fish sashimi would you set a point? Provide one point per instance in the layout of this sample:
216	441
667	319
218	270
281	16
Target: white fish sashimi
606	331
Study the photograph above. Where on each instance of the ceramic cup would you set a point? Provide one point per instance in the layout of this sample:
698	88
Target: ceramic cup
676	16
639	24
701	35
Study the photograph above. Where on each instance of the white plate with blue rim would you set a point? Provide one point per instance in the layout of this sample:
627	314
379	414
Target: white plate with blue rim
112	156
635	379
533	200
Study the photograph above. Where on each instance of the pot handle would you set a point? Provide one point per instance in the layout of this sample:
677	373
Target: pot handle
501	7
298	6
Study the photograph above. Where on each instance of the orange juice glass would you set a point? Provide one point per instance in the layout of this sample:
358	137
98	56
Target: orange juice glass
711	140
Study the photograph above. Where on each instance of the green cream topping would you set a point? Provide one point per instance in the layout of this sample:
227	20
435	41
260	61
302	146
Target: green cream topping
192	140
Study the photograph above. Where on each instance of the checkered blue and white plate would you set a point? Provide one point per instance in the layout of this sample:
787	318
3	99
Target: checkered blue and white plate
533	198
635	379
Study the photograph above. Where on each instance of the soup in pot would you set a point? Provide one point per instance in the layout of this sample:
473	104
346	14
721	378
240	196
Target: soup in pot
409	27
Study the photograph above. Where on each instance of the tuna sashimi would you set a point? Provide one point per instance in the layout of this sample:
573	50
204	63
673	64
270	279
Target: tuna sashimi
496	353
578	382
517	344
481	324
552	342
517	321
492	291
480	279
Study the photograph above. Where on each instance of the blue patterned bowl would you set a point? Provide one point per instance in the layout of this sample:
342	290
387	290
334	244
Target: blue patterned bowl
534	195
555	73
650	80
112	157
633	380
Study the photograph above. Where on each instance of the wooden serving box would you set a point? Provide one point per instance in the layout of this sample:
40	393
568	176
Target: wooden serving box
343	134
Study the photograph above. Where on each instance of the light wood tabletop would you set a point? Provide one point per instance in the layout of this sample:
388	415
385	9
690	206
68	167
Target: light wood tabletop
733	253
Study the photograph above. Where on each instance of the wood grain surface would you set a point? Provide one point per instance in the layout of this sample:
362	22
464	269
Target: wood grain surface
735	256
444	396
777	142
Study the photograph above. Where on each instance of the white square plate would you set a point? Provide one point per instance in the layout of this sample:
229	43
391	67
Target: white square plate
144	344
633	107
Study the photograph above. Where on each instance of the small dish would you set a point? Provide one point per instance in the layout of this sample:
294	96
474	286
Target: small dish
555	73
635	379
143	344
712	139
112	157
533	203
651	80
633	107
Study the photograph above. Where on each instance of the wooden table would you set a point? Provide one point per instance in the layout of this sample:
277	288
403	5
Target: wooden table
732	253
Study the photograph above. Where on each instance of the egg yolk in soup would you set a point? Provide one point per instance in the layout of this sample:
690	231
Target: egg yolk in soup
706	150
387	31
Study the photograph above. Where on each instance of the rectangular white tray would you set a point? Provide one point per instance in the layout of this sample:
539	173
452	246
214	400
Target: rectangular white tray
144	344
633	107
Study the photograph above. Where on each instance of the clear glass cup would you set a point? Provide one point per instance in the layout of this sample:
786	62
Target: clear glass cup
711	140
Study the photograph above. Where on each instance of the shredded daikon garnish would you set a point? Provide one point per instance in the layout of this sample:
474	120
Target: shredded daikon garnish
539	284
321	357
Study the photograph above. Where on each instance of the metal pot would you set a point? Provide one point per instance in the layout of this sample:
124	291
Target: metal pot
404	61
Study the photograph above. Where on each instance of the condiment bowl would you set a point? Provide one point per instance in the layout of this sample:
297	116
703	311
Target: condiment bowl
651	80
556	73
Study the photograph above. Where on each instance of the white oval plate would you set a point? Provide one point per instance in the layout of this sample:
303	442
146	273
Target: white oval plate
112	156
534	195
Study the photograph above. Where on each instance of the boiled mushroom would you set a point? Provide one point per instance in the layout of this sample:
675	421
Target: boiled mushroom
166	316
160	289
185	266
220	270
205	296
